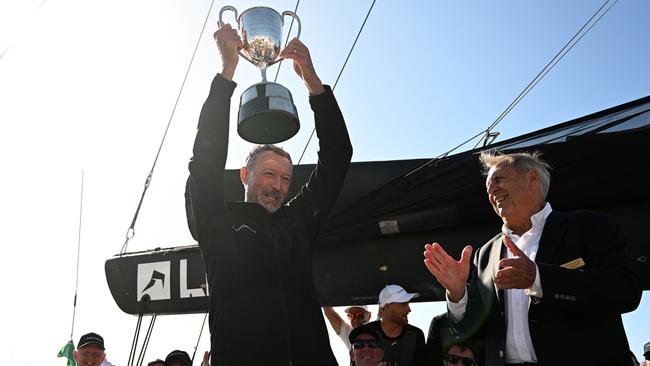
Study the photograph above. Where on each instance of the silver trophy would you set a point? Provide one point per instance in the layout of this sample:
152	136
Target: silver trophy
267	114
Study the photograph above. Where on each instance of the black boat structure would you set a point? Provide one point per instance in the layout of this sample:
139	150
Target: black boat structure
388	210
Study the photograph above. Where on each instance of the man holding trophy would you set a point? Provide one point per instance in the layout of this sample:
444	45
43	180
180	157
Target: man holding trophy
258	253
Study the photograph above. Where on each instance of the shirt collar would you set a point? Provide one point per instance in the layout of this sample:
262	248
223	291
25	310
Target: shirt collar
538	220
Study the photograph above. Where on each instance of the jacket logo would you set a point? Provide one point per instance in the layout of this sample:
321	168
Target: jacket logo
244	226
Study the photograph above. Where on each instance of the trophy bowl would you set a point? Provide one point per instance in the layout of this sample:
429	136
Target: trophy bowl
261	30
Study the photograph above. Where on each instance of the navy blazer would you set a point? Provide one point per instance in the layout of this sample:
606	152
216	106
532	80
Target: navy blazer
578	319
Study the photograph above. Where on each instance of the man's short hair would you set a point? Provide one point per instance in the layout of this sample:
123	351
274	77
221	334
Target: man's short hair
259	149
463	347
364	329
522	162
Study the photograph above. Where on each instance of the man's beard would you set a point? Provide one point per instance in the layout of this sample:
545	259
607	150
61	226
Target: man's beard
273	206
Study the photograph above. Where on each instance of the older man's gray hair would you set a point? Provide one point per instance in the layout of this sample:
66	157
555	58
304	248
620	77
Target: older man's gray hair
522	162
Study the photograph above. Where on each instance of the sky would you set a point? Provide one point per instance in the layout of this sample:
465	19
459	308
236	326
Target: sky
90	86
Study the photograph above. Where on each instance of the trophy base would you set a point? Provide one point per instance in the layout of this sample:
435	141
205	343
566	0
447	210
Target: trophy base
267	114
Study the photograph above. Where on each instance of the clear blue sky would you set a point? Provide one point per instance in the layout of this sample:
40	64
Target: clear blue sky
91	85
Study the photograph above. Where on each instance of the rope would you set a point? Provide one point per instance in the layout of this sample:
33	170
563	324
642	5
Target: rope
488	135
340	73
277	72
131	230
200	333
76	284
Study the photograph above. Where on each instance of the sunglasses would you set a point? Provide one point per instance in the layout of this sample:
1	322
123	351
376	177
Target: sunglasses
466	361
371	343
359	315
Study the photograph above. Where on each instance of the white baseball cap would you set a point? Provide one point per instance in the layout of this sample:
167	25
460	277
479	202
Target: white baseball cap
395	293
364	307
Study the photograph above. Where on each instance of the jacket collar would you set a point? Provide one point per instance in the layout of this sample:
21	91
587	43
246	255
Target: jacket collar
552	236
496	253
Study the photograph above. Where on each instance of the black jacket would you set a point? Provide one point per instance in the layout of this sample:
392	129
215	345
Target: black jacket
407	349
263	303
578	319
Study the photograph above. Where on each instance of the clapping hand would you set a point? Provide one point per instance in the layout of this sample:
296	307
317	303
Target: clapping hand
451	274
517	272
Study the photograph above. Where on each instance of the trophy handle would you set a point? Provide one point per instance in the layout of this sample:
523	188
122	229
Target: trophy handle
294	16
225	8
221	24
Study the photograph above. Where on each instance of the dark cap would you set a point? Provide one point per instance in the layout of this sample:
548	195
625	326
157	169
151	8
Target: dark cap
646	351
179	356
364	329
91	338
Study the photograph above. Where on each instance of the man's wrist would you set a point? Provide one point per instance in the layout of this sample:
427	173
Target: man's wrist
228	72
315	86
535	290
456	296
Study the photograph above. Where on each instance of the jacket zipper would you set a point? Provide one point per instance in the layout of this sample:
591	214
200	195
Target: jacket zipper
284	300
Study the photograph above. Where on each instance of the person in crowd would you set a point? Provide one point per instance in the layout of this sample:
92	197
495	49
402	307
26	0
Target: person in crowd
90	350
442	336
260	250
357	314
366	349
178	358
462	354
157	362
646	354
403	343
548	284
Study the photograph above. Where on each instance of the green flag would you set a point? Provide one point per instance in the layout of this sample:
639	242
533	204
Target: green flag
68	352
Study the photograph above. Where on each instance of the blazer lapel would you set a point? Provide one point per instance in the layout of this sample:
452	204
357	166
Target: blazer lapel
552	237
493	266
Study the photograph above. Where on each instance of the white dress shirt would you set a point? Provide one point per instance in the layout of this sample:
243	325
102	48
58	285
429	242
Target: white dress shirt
519	346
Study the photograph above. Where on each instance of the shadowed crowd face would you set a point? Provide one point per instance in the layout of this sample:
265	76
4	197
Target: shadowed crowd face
267	183
458	355
366	351
358	316
396	312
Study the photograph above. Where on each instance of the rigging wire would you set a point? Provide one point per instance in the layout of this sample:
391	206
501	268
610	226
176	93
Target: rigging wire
551	64
6	50
340	72
134	343
488	135
147	337
199	339
295	10
131	230
76	284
